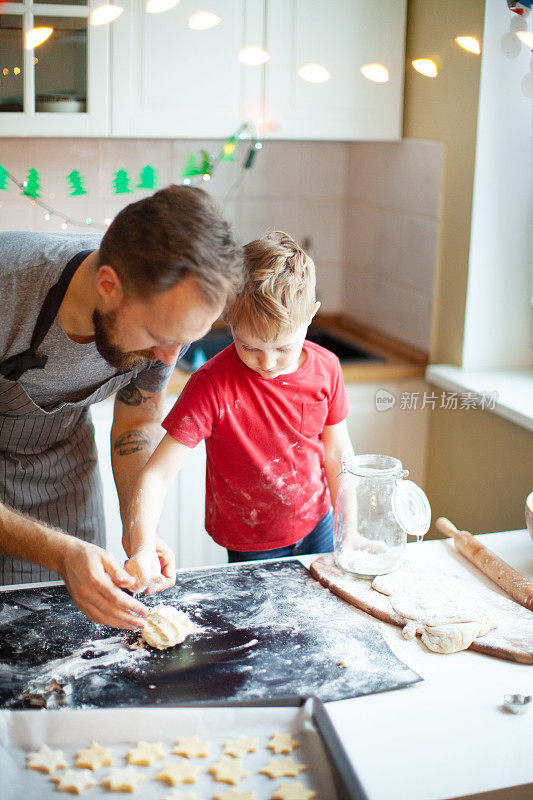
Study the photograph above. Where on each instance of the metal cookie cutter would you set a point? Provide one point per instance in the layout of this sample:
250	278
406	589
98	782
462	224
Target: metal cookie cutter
517	703
53	694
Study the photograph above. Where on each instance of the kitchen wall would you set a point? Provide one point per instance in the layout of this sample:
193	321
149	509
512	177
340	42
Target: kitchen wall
479	465
370	211
299	187
445	110
392	229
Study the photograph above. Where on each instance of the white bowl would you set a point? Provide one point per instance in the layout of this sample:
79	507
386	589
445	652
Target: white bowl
63	105
529	513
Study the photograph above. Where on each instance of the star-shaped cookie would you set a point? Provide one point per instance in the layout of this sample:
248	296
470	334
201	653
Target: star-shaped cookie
282	743
192	748
94	757
145	753
123	780
46	760
282	768
293	791
240	746
75	781
228	770
235	794
174	774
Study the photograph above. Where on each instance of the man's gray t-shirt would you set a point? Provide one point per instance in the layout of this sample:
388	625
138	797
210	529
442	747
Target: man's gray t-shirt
30	263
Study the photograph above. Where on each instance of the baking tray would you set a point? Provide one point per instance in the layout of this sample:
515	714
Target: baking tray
329	772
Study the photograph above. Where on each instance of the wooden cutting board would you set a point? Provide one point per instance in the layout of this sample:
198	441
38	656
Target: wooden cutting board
512	639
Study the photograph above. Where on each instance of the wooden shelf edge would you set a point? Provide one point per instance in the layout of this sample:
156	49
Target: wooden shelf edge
380	342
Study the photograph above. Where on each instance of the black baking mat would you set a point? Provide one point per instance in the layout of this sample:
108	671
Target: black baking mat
267	630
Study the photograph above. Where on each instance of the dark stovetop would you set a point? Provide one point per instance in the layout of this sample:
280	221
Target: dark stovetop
268	631
216	340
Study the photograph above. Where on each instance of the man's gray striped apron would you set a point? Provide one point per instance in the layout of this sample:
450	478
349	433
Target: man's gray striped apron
48	461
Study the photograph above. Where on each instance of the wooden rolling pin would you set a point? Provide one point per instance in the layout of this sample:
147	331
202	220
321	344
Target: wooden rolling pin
507	578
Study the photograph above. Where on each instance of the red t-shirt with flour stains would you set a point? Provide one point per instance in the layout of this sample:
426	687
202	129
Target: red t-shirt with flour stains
265	481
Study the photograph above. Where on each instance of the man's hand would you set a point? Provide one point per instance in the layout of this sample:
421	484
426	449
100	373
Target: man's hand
94	580
153	568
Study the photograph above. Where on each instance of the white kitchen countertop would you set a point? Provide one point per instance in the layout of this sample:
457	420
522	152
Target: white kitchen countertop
447	736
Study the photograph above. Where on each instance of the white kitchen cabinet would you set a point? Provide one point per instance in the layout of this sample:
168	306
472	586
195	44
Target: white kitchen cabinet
170	81
61	87
149	75
342	36
194	545
182	518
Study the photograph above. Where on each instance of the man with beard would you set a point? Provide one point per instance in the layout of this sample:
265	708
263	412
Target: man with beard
82	318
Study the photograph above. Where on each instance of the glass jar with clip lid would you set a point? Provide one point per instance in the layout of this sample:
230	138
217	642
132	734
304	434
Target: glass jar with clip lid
375	511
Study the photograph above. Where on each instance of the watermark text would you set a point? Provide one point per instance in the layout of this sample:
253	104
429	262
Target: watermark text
451	401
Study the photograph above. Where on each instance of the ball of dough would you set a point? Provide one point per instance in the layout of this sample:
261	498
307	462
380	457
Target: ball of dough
447	613
165	626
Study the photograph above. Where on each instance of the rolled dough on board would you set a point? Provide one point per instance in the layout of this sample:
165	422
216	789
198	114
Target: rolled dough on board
447	614
166	627
512	639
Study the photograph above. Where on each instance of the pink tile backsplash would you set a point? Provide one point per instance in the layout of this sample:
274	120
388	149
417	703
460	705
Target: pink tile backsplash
371	210
391	236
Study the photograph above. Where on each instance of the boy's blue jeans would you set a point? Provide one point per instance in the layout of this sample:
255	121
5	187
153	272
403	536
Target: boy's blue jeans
320	540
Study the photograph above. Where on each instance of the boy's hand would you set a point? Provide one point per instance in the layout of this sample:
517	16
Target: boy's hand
167	560
145	568
152	567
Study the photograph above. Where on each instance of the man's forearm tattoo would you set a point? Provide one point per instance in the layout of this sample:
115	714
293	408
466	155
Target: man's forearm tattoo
131	442
131	395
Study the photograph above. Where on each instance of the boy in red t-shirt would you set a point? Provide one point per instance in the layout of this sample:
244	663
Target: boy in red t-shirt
272	409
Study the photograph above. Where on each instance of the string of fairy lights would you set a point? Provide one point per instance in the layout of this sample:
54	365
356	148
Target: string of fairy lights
254	55
199	169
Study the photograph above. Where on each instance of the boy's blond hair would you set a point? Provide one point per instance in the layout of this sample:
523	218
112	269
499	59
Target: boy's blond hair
279	288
